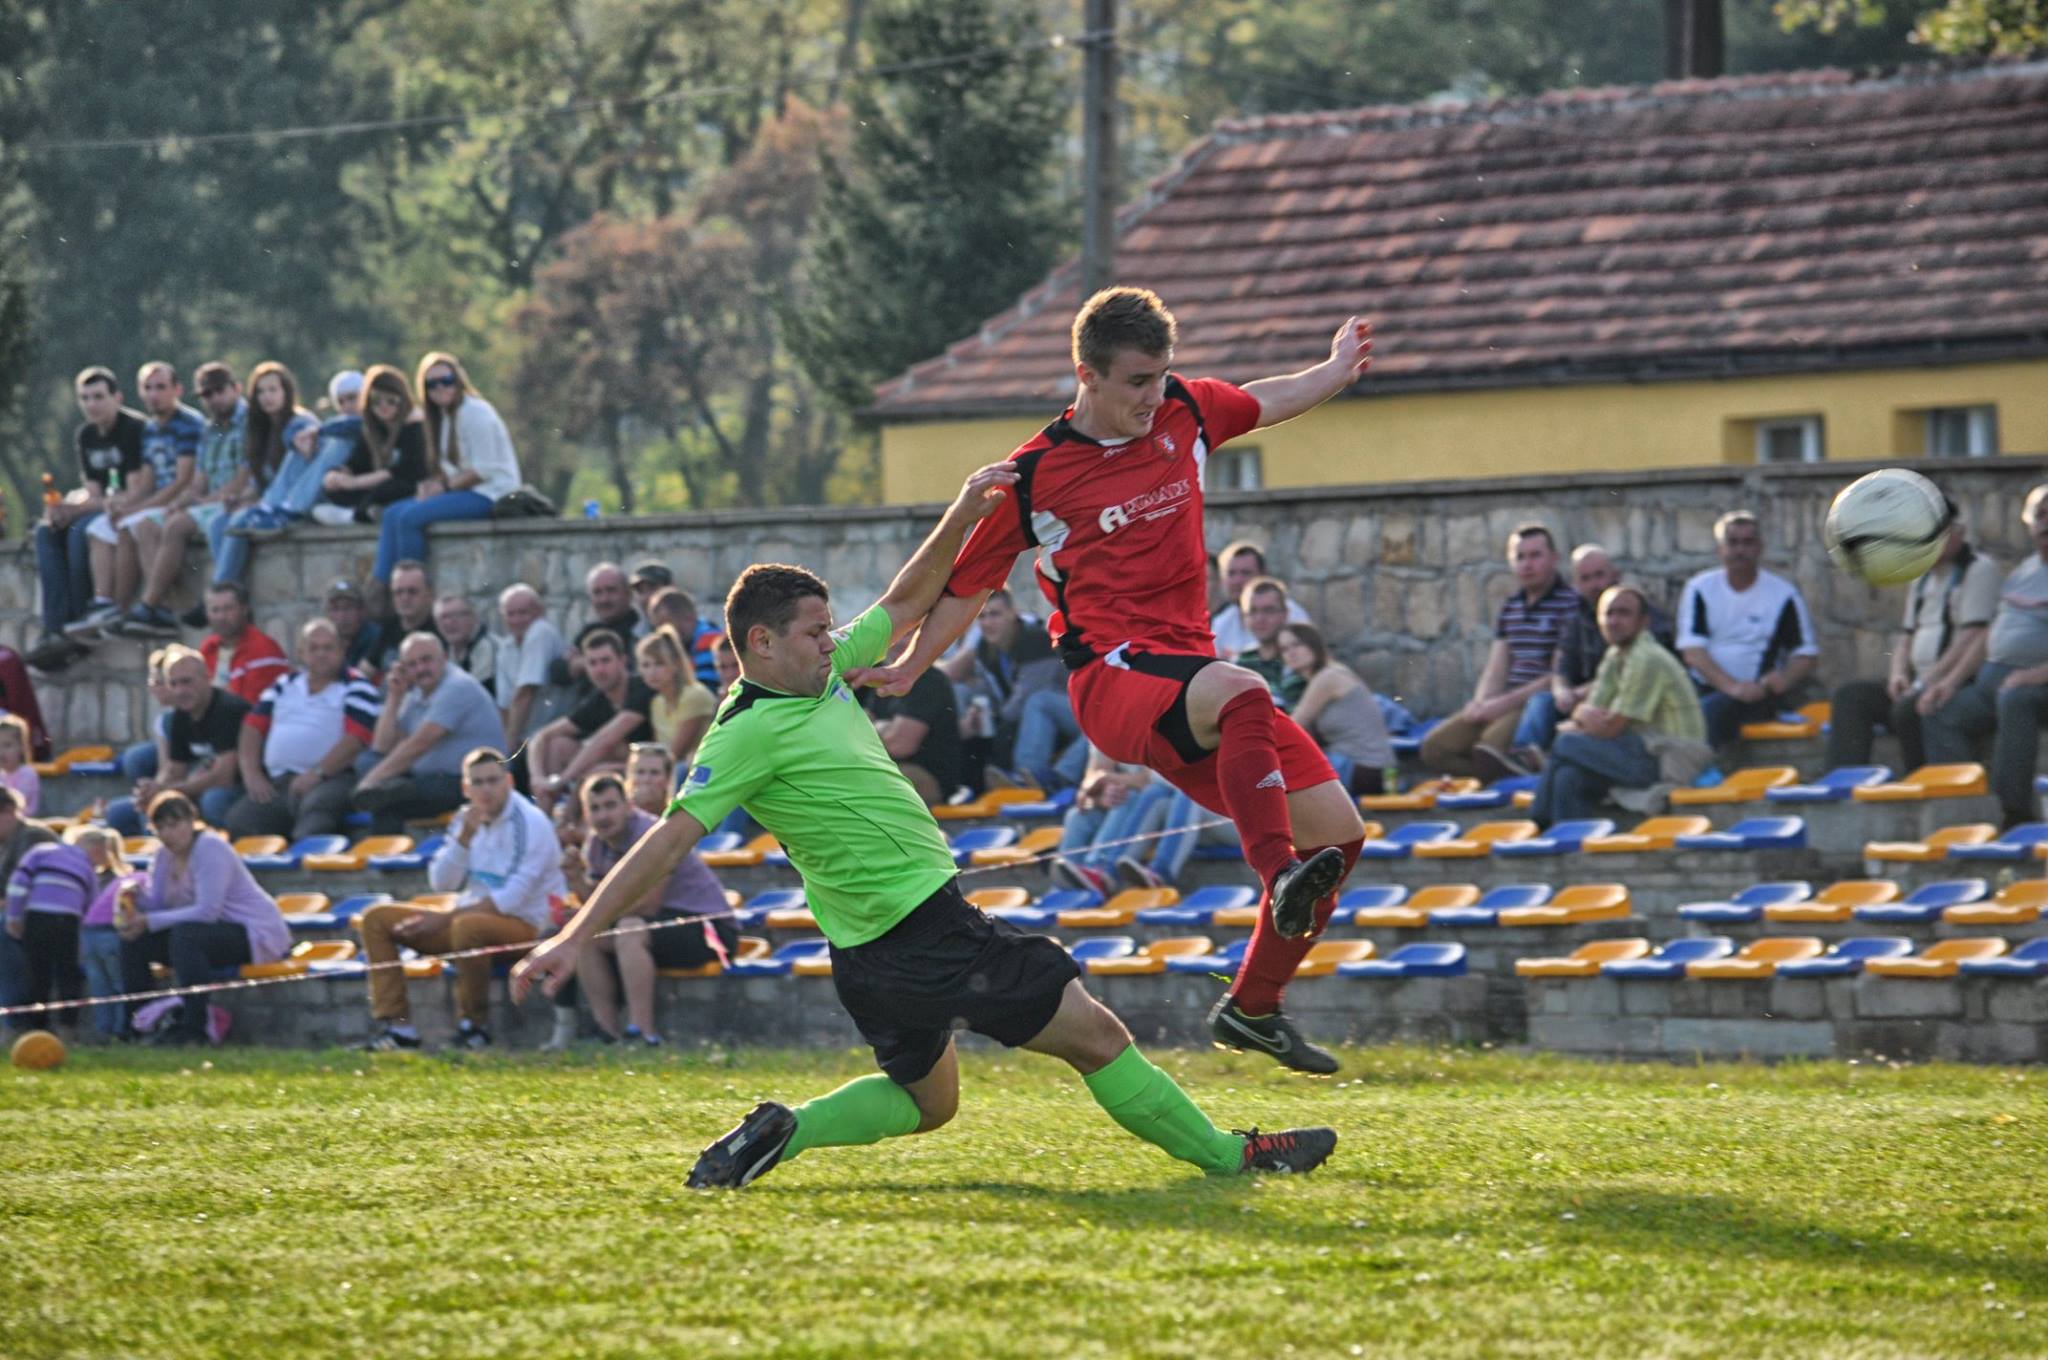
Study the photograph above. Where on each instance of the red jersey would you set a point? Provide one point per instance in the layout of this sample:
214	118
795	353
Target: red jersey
1118	527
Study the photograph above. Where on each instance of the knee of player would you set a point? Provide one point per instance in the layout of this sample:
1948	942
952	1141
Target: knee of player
935	1109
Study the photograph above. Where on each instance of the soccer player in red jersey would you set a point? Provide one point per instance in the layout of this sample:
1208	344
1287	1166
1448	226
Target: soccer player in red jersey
1110	496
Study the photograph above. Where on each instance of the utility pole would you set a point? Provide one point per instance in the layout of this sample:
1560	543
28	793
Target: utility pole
1693	46
1099	158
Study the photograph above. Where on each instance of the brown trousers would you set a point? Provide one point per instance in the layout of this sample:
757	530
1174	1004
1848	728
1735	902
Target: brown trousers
451	932
1448	747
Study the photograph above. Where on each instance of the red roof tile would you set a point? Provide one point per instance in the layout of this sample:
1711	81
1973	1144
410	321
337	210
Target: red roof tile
1775	223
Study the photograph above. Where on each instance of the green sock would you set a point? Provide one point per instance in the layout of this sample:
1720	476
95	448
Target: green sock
863	1111
1151	1104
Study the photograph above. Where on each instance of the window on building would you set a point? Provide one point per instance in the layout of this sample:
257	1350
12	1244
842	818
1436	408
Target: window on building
1234	470
1962	432
1793	439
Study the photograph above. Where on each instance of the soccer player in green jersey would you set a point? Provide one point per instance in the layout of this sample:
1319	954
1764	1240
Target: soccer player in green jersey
910	957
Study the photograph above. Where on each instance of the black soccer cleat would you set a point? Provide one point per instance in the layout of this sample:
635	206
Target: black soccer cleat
1273	1035
1302	884
750	1150
1288	1152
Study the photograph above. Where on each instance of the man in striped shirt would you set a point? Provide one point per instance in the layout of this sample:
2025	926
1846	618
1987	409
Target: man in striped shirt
299	744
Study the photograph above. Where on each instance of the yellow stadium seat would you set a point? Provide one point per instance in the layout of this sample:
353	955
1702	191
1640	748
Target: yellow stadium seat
140	847
1421	798
999	899
1039	840
433	901
62	762
1744	786
1939	961
302	903
1578	903
423	969
1836	902
1812	717
1120	910
818	965
1414	913
1324	955
974	809
2017	904
1478	842
791	918
1929	781
747	856
260	845
1152	957
1758	959
750	947
1934	848
1584	961
357	856
1656	833
733	898
302	956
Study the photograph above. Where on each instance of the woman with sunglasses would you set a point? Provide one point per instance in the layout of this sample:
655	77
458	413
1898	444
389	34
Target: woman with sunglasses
470	464
389	458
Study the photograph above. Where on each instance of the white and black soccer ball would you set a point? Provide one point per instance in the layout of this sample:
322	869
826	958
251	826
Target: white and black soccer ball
1887	528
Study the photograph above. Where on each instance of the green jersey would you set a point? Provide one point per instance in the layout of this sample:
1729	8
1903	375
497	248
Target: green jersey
813	771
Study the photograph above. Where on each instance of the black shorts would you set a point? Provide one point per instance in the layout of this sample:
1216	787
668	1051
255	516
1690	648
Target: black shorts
686	946
948	966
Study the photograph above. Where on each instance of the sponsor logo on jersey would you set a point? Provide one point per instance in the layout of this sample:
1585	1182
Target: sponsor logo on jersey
1161	500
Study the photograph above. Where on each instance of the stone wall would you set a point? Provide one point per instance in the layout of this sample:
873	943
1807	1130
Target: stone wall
1404	578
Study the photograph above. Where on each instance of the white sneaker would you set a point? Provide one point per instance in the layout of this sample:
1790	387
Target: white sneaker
95	623
334	516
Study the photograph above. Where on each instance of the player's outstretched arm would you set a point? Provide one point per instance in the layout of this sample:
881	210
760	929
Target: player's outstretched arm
631	881
945	625
1287	397
923	579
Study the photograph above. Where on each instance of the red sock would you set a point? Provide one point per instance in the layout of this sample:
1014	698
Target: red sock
1270	962
1248	773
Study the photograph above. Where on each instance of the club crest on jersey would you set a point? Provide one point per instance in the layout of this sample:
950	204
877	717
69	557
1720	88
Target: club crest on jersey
1166	443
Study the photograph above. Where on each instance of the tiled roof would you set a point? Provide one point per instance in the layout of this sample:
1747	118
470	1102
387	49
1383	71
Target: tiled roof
1752	224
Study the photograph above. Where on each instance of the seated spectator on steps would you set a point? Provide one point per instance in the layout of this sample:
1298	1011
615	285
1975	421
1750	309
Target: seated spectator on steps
1115	803
221	476
388	461
649	579
130	537
362	637
681	706
469	465
921	732
145	758
728	659
676	608
109	445
199	747
17	770
1237	566
501	861
1265	608
1339	710
651	777
18	835
1745	632
433	716
200	912
280	440
47	895
18	696
627	960
610	604
1640	727
242	657
1937	650
2008	697
1578	657
299	745
613	716
528	699
468	645
1526	634
410	593
1011	665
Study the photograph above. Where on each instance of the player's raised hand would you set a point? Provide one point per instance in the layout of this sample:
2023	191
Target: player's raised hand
547	967
893	681
987	488
1353	344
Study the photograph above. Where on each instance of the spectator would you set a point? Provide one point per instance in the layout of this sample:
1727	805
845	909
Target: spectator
921	732
610	717
221	473
18	696
411	595
501	860
170	456
2004	699
145	758
1264	606
200	912
728	659
681	706
362	637
691	894
676	608
468	645
280	443
1641	725
1012	666
650	777
1525	637
241	656
649	579
1578	657
1237	566
388	461
433	716
294	492
1745	632
99	944
199	747
18	835
1339	710
109	444
299	745
17	771
526	655
1114	803
470	464
47	894
611	605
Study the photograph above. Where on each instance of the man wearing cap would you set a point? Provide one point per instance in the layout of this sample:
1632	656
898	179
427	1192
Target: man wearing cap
362	637
649	579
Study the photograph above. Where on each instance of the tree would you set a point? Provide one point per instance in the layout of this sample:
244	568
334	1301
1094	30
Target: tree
944	207
1957	28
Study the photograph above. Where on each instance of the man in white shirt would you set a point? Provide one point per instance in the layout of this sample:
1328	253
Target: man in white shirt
503	863
1239	565
526	651
1745	633
299	745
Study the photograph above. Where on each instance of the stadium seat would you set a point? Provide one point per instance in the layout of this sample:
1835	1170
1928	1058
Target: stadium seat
1324	957
1152	958
1040	808
1421	798
1414	913
1499	794
1575	905
1036	843
334	917
433	901
1424	959
1929	781
998	899
1225	960
964	844
790	918
1654	833
1847	958
1925	904
1833	787
1935	847
1486	911
1103	947
1744	786
754	852
768	900
1836	902
2017	904
1942	959
2030	960
1758	959
1476	843
1803	725
1046	910
1586	960
260	845
1563	838
1403	840
138	850
1747	905
1373	895
719	841
1751	833
1200	907
812	965
64	762
1409	741
1671	959
302	904
782	962
1120	910
356	858
2013	846
990	804
414	859
291	856
302	958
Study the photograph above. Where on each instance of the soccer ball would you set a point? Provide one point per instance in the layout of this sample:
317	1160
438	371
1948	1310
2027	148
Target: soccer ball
38	1050
1887	528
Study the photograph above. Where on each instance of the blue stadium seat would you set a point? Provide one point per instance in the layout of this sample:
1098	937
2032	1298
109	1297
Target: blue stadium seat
1055	806
2030	960
1498	794
718	842
93	767
1103	947
1747	905
1213	851
1224	960
1925	904
769	899
1752	833
1670	960
1486	911
2010	847
1564	838
781	961
338	915
415	858
1406	838
1833	787
1198	907
1846	958
1425	959
291	855
1373	895
965	843
1046	910
1410	742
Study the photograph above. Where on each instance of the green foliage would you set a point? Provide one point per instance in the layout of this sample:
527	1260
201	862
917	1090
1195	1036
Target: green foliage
1956	28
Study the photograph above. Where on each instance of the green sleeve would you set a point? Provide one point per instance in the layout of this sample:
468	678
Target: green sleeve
729	770
862	642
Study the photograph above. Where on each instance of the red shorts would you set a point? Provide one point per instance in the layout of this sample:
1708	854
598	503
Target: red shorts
1132	707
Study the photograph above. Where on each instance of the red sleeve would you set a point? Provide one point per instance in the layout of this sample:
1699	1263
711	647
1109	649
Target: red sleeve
990	551
1227	409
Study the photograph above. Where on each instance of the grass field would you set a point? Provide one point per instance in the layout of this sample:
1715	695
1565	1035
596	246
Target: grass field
1481	1204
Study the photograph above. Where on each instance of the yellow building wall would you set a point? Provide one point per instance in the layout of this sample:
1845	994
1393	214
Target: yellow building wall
1514	431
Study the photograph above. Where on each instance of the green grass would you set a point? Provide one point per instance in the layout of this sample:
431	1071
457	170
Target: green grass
269	1205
